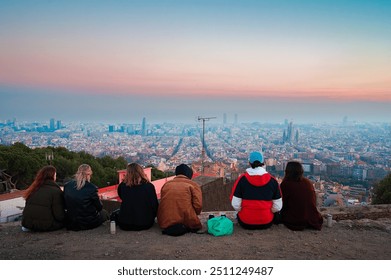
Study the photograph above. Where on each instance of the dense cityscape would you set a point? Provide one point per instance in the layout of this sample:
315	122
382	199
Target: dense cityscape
344	160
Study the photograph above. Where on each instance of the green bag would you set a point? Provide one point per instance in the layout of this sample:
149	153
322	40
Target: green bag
219	226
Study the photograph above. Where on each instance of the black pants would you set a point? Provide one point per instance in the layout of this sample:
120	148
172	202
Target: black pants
115	217
276	220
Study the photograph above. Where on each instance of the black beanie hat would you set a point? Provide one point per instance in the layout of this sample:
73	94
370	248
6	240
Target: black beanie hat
183	169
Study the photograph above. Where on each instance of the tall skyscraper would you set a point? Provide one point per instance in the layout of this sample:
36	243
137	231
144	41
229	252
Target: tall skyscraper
297	136
144	127
289	136
59	126
52	122
225	118
290	132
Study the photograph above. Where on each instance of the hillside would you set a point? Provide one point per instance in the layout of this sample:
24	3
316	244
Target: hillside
345	240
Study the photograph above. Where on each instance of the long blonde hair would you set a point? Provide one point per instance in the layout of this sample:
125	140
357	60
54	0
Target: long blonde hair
135	175
81	175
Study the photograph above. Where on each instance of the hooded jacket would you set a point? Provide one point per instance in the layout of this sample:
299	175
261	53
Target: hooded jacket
180	203
256	196
44	210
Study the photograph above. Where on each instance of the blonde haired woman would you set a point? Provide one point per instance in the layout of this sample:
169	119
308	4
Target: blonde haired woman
139	201
84	208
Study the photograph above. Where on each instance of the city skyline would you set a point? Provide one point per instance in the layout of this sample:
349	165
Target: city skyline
172	61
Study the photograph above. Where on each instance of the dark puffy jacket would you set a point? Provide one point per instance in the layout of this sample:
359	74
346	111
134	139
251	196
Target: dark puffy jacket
83	206
44	210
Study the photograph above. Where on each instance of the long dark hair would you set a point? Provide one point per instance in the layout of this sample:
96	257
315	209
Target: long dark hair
293	171
45	173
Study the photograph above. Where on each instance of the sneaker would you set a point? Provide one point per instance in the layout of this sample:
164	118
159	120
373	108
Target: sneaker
25	229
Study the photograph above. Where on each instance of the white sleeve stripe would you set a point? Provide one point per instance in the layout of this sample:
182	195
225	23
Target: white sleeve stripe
277	205
236	203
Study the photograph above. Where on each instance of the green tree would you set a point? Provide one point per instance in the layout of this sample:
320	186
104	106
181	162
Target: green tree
23	163
382	191
157	174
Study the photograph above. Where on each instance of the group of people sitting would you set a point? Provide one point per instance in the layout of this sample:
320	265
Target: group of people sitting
258	198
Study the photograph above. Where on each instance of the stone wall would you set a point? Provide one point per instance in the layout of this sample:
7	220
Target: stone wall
215	194
372	212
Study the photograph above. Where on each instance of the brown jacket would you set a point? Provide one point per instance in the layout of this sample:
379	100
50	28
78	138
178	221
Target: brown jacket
180	203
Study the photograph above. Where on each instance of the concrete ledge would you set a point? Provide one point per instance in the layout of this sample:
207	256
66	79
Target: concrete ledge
371	212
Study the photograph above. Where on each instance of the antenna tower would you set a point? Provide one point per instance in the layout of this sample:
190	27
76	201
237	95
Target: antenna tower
203	119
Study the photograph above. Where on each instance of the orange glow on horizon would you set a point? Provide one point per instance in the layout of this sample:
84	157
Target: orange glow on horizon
106	77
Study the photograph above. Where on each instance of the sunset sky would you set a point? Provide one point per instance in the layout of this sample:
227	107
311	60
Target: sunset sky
174	60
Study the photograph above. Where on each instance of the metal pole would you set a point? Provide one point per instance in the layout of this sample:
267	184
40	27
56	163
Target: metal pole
203	141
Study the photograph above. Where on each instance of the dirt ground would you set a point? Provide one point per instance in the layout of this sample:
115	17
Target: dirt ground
345	240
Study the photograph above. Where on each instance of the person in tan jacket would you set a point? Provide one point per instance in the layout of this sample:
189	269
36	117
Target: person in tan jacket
180	203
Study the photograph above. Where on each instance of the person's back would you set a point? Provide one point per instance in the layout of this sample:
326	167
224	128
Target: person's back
139	200
180	202
44	210
138	207
84	208
299	210
256	196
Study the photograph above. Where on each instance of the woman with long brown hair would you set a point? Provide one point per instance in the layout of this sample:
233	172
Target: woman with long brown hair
44	210
299	209
139	201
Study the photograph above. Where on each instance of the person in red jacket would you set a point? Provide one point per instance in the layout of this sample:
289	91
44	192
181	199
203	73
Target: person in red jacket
256	195
299	210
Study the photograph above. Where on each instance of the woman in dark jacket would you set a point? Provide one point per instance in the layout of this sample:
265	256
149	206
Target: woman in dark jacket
139	201
44	210
84	208
299	209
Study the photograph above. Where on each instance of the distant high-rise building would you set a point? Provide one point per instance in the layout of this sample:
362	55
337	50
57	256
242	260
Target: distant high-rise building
144	127
225	118
288	135
290	132
236	118
111	128
130	129
59	126
52	123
